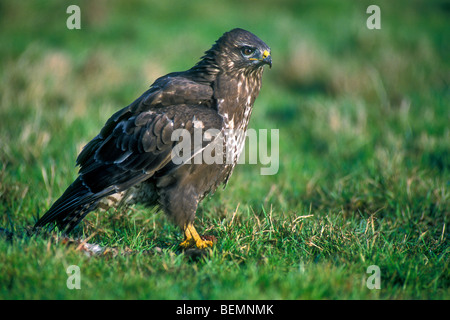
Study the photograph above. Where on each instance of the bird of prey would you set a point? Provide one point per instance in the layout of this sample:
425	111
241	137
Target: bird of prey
133	153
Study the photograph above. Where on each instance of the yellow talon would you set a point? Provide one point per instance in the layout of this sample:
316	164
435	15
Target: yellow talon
193	239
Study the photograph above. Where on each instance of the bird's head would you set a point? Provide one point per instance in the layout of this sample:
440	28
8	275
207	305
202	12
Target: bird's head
240	50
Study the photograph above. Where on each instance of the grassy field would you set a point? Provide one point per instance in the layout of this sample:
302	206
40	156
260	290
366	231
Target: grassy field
364	148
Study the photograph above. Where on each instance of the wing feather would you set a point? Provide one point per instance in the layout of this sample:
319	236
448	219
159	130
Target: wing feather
136	141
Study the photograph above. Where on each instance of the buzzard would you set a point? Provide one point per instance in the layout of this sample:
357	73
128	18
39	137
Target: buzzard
133	155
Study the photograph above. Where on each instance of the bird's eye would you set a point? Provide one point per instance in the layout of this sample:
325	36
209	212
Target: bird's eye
248	51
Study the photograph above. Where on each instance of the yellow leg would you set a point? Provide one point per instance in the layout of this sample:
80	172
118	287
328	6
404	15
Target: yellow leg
193	239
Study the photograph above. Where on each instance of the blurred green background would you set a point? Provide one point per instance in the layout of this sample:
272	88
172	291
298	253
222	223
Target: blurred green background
364	134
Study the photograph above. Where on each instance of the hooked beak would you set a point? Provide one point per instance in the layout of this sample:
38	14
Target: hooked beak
265	58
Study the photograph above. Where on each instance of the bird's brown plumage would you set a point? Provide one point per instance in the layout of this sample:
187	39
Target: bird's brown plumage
135	146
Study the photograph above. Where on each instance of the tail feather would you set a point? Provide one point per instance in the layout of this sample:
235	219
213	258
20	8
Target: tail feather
75	203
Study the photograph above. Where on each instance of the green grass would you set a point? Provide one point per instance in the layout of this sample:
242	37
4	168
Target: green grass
364	170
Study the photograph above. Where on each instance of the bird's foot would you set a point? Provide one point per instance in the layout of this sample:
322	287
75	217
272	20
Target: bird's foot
200	244
194	240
